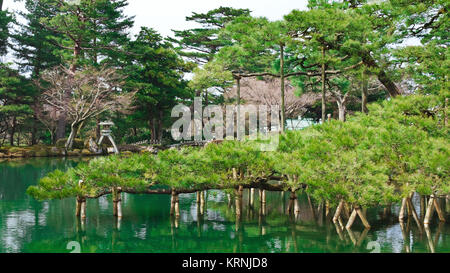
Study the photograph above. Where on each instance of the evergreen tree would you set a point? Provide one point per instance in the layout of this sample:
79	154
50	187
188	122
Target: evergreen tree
5	20
200	44
90	32
156	72
32	47
16	96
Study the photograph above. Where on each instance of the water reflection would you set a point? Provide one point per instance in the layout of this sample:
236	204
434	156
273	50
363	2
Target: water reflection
208	223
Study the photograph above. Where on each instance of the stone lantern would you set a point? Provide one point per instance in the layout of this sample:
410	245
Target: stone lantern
106	132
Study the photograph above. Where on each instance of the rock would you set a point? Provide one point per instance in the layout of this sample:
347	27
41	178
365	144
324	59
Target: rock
131	148
93	147
54	151
150	149
2	155
21	152
86	152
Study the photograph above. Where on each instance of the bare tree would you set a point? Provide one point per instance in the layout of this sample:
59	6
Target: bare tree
47	115
267	92
84	94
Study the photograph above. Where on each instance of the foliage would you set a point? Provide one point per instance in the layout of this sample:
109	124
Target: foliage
370	160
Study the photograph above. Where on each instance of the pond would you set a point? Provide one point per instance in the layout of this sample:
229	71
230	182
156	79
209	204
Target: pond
27	225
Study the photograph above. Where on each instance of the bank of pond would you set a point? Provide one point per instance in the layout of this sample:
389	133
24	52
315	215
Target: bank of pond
381	159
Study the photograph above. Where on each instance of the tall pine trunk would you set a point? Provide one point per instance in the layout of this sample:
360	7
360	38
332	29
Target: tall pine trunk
283	106
323	86
388	83
34	131
365	91
13	132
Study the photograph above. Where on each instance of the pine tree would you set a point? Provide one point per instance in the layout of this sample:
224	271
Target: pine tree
156	72
32	47
5	20
16	96
200	44
90	32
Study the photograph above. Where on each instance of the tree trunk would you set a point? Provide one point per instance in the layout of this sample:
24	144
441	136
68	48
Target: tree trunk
439	210
78	207
292	200
445	113
388	83
172	203
73	134
338	212
362	216
283	106
13	132
430	210
414	214
177	205
206	97
97	129
323	87
352	219
364	93
160	126
34	131
342	109
238	90
61	127
52	136
117	202
238	197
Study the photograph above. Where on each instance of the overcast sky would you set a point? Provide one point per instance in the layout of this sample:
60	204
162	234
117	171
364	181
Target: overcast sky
165	15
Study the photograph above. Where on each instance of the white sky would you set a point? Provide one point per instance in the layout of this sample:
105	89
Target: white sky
166	15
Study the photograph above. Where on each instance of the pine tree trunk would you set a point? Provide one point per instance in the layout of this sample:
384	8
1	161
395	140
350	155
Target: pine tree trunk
439	210
323	87
238	197
338	212
430	210
34	131
238	117
364	93
160	126
414	214
401	214
388	83
13	132
283	106
351	220
177	205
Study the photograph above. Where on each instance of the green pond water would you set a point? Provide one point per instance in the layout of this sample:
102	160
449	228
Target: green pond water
27	225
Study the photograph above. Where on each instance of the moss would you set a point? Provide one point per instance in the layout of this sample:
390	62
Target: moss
77	143
75	152
42	153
